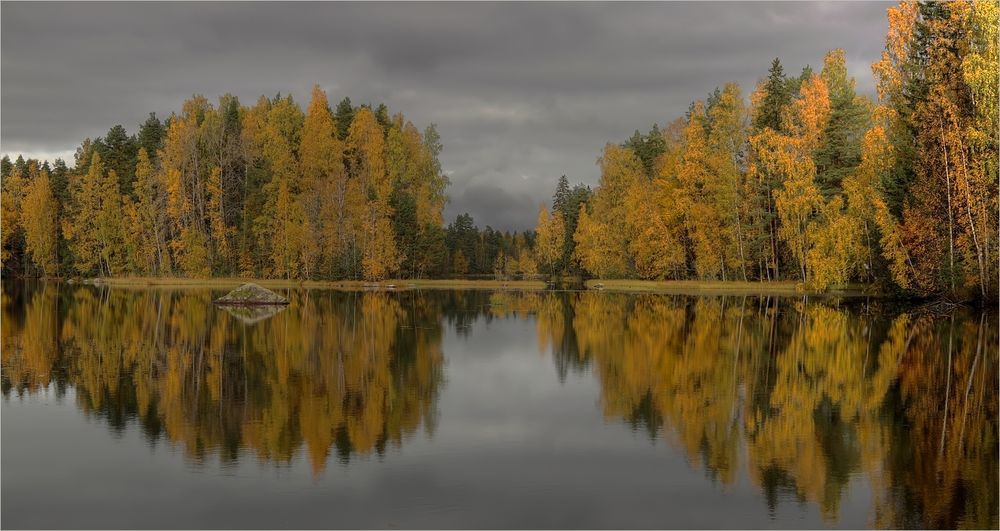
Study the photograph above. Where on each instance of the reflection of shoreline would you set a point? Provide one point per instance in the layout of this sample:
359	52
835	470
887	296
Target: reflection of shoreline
802	396
338	375
797	396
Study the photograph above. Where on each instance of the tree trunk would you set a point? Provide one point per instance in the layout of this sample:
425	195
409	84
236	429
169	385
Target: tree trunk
951	230
972	223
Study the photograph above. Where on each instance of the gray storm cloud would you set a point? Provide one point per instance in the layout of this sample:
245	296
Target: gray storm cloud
521	92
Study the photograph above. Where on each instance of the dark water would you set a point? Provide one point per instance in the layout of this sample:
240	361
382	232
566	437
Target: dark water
152	408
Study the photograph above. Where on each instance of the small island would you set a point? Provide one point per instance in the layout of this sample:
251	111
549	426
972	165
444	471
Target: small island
251	294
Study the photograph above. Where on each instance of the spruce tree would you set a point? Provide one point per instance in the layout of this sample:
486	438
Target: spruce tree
776	97
344	115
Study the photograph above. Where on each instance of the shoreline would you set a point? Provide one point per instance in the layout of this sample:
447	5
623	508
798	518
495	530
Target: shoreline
677	287
340	285
788	288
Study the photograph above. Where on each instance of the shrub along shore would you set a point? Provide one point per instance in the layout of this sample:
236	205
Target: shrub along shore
346	285
677	287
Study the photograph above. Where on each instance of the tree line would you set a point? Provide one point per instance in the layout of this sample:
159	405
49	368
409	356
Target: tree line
266	191
810	181
262	191
807	181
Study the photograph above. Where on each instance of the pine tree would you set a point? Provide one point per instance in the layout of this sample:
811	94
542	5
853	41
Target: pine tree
120	153
561	195
151	135
776	97
840	152
344	116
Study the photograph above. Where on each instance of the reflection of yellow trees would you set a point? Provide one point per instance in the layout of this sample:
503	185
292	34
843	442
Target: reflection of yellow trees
551	322
30	346
554	319
803	396
829	379
354	372
661	361
814	393
948	386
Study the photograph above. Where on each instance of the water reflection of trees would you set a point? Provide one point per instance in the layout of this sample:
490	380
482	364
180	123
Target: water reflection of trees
804	396
348	374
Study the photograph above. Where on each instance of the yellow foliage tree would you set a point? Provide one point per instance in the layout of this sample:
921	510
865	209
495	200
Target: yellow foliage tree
184	184
551	232
366	145
655	250
216	218
836	246
696	198
459	263
41	228
147	218
14	189
601	235
809	114
90	221
868	208
324	182
726	147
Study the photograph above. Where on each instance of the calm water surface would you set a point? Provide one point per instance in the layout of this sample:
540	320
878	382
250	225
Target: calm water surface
152	408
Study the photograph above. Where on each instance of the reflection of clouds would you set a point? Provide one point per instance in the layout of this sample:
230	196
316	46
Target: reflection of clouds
502	392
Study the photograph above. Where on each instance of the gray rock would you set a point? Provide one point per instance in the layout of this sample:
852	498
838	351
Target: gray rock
250	315
251	294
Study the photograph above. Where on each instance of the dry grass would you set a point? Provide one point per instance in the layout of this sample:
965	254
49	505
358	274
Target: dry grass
718	287
346	285
689	287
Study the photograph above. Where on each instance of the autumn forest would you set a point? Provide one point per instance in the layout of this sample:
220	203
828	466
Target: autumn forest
801	179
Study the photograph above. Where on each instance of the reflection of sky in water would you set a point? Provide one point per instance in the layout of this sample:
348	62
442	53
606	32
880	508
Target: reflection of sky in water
511	444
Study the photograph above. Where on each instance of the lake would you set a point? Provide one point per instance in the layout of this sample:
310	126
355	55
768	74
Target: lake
151	408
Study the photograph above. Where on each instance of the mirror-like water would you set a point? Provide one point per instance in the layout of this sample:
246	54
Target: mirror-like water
152	408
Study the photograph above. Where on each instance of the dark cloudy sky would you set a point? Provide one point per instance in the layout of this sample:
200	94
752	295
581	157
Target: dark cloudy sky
521	92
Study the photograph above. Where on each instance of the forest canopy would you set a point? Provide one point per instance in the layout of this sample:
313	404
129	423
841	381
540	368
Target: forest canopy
267	190
815	183
801	179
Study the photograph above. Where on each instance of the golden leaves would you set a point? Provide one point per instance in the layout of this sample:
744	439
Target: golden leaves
551	233
41	228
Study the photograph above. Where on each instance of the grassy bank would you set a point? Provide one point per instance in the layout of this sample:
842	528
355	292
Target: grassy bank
718	287
680	287
346	285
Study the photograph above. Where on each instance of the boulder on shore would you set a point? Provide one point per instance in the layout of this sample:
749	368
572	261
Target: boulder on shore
251	294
